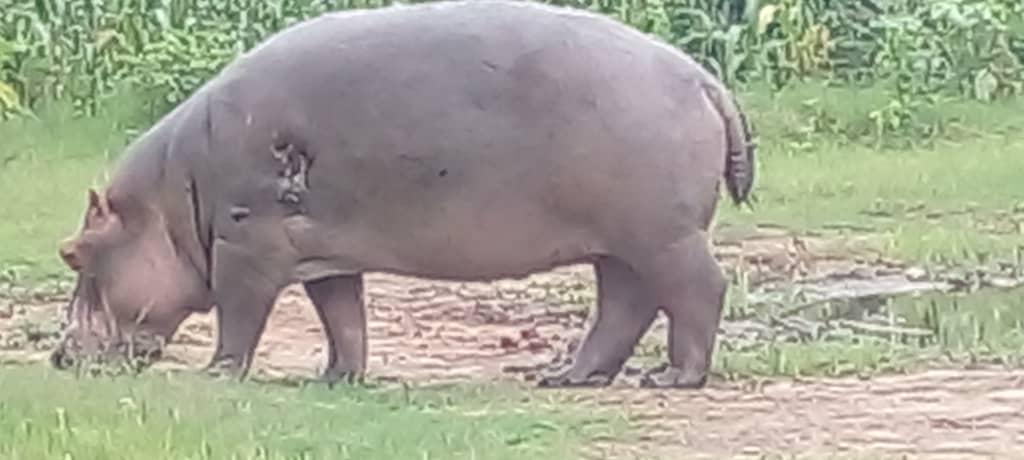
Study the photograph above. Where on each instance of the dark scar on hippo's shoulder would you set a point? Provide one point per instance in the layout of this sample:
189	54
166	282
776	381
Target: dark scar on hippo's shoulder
293	177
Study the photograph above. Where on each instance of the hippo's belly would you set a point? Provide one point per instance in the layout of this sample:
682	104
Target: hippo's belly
467	238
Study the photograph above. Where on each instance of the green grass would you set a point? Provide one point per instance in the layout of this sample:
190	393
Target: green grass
875	189
188	417
986	327
956	200
806	181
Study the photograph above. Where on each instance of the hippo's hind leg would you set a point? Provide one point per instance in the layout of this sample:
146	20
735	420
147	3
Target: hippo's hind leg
244	295
340	306
624	313
689	285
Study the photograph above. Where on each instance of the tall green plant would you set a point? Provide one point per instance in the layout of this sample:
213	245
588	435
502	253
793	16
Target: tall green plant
9	101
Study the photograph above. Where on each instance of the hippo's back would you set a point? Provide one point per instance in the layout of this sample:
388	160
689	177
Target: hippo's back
475	50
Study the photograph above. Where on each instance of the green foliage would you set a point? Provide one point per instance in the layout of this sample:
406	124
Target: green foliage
81	50
9	100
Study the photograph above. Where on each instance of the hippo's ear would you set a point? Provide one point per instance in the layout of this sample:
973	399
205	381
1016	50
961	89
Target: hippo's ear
98	205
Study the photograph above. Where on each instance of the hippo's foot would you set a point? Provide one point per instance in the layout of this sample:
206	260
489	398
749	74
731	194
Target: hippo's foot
666	376
342	376
573	378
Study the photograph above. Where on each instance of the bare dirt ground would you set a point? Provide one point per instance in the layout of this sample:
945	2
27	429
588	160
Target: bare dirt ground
430	331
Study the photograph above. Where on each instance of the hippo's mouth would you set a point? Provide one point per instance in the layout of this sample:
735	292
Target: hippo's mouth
136	354
125	356
92	337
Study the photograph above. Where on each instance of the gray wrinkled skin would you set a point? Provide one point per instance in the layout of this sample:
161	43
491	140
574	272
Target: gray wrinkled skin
465	141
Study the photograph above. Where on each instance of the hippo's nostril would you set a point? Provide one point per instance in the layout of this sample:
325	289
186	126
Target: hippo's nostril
60	359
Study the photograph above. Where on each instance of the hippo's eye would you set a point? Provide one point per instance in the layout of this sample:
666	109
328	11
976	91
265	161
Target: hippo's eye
280	147
238	213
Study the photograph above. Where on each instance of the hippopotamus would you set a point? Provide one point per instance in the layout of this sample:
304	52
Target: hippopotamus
454	140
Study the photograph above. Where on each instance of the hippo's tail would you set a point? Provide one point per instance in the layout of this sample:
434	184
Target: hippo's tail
739	160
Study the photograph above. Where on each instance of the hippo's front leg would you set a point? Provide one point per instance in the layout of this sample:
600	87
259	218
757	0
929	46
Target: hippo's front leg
339	303
244	289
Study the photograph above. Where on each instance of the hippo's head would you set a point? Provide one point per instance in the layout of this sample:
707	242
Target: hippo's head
133	289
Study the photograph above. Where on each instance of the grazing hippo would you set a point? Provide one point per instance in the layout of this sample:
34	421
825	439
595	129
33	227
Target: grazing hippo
464	140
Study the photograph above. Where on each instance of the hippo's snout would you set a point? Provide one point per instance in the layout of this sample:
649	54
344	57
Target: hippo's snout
138	354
